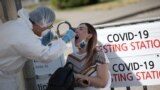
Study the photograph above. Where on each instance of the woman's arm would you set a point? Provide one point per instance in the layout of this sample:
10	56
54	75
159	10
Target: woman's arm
99	81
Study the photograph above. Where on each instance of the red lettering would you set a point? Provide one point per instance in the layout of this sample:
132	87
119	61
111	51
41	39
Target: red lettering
148	75
137	45
138	76
122	77
142	45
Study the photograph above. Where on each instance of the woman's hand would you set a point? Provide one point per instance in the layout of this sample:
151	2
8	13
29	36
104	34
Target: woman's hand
82	80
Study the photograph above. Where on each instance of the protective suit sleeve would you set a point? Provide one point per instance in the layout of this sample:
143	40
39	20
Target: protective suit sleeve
32	48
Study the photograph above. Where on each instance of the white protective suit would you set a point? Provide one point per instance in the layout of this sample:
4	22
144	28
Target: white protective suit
18	44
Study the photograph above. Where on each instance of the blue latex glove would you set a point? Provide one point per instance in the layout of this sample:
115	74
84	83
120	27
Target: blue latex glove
70	34
46	39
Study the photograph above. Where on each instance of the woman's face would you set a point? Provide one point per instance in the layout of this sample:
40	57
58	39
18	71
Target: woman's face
81	34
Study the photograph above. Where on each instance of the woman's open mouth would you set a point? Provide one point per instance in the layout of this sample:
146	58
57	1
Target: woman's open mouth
76	37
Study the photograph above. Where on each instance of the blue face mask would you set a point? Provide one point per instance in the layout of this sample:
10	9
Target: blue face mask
83	44
47	37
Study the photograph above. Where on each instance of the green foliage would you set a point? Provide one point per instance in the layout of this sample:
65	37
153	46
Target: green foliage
106	0
62	4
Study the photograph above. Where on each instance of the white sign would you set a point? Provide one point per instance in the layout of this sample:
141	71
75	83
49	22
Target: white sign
43	71
135	71
134	53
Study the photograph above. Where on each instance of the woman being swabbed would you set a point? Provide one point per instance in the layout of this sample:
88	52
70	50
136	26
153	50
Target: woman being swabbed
91	66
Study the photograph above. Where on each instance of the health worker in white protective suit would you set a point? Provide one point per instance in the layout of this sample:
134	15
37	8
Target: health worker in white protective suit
19	43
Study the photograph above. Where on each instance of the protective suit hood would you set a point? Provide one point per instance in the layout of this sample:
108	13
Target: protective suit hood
22	13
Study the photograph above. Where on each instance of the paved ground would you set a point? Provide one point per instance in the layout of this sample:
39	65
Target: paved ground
106	16
98	17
